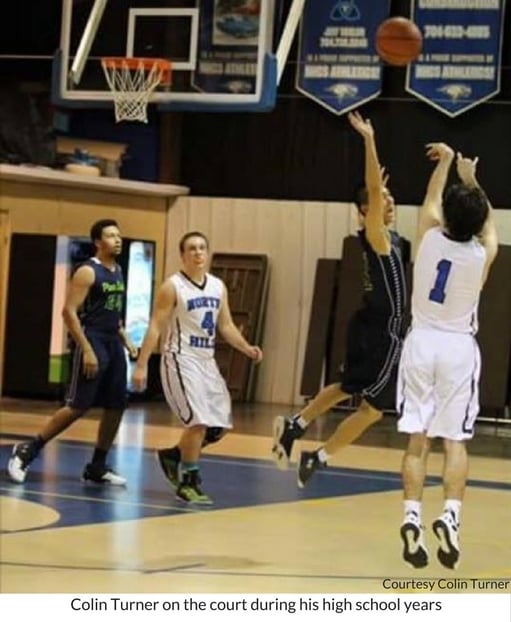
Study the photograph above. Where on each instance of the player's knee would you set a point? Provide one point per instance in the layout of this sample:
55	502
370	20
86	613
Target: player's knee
454	448
213	435
418	445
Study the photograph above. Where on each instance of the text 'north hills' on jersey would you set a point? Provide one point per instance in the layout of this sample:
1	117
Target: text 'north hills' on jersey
194	320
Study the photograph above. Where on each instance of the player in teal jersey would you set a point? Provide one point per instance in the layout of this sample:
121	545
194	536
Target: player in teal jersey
93	315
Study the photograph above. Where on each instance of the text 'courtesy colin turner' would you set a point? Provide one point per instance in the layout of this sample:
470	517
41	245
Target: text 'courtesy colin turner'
447	585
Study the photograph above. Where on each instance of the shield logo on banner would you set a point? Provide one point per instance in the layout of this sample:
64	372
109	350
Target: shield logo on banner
459	66
337	62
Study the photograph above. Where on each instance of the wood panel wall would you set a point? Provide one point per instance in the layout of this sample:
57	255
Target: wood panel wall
58	210
52	209
294	234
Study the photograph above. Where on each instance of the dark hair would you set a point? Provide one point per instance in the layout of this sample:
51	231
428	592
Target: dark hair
361	197
96	231
465	211
187	236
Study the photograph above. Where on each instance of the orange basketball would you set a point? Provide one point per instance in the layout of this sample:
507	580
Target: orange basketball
398	41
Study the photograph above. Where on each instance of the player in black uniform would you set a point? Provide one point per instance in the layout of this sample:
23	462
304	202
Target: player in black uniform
375	332
93	316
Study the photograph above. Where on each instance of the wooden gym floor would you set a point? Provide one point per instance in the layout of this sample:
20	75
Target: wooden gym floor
262	535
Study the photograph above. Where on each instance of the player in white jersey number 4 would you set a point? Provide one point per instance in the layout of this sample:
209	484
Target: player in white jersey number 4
190	306
440	363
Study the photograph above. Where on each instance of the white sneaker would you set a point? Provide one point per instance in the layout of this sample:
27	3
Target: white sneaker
415	553
102	475
446	529
17	467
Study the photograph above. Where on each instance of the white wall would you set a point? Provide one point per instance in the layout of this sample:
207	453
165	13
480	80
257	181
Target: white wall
294	234
407	223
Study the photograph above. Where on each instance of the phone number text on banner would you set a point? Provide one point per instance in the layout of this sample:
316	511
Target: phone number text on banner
459	66
337	62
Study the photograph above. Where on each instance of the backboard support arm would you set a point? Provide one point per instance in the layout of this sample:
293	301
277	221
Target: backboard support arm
75	73
292	21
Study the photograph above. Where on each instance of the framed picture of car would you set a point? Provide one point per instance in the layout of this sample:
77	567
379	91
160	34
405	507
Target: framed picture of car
236	22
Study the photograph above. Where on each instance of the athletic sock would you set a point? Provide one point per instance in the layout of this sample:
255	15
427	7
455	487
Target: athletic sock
413	507
299	421
187	467
322	455
454	506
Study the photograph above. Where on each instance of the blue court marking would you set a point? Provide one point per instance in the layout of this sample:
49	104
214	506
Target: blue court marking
54	480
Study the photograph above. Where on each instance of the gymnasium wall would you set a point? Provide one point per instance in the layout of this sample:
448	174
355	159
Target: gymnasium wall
39	208
294	234
296	166
301	151
66	211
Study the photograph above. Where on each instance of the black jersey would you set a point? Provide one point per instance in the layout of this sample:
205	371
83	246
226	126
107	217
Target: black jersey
385	296
102	311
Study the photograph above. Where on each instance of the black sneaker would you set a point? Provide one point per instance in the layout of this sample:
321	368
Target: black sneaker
22	455
285	433
415	553
169	460
446	529
102	475
189	490
309	462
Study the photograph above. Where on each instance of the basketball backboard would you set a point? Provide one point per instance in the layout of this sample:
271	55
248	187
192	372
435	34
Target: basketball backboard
220	50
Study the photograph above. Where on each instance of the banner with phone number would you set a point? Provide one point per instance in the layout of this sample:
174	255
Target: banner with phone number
337	62
459	66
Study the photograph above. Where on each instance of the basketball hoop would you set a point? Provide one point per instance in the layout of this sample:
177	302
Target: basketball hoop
132	81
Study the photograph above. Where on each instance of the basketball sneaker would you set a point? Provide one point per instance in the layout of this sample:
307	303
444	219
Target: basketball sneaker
415	553
189	490
21	457
446	529
285	433
309	462
169	460
102	474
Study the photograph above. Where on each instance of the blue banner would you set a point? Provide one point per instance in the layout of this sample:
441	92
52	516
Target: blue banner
337	62
228	46
459	66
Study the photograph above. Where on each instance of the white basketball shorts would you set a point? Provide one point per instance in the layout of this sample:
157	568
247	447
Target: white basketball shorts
438	384
195	390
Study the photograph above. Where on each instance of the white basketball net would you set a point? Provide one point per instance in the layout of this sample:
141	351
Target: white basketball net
132	88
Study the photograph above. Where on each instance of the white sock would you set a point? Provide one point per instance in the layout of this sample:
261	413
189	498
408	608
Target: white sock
454	506
414	507
322	455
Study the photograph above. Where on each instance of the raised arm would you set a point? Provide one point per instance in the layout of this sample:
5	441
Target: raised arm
163	306
466	169
376	231
430	214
